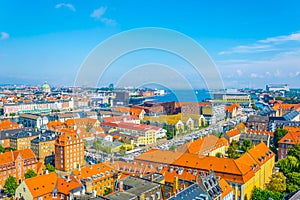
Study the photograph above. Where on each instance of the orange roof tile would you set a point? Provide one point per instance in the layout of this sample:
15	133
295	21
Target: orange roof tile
80	121
233	132
121	109
94	170
7	124
226	188
260	153
65	186
203	146
292	137
41	185
55	124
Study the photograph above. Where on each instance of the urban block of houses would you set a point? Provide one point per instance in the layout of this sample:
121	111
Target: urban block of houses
179	121
69	151
282	109
16	163
252	169
49	186
63	116
21	140
232	110
257	136
136	188
33	120
124	118
206	146
8	128
143	134
177	183
43	147
96	178
291	138
257	122
82	123
233	134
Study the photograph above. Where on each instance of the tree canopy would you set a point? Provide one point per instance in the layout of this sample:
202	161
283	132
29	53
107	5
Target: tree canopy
11	185
233	150
50	167
278	134
294	151
277	183
2	149
29	174
259	194
247	144
288	164
292	182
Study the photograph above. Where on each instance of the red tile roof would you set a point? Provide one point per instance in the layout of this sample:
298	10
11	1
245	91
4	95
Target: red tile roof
233	132
292	136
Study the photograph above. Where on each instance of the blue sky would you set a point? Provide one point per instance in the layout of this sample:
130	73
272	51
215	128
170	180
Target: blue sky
252	42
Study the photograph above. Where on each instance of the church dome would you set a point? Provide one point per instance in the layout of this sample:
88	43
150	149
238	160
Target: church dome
46	87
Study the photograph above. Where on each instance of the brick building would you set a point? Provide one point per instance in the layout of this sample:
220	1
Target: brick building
69	151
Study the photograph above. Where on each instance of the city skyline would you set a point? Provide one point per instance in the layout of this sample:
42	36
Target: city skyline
252	43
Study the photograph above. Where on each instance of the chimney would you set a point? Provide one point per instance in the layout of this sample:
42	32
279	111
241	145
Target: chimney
68	179
151	177
121	186
175	184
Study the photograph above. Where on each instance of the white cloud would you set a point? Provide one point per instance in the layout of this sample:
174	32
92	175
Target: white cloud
98	15
253	75
239	72
67	5
268	44
4	35
249	49
108	21
268	74
282	38
277	73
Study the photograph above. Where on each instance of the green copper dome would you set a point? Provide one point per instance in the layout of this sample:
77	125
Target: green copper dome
46	86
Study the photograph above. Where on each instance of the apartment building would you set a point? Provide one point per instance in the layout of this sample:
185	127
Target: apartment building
16	163
22	140
69	151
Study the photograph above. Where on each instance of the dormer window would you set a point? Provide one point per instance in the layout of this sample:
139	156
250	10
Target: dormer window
54	194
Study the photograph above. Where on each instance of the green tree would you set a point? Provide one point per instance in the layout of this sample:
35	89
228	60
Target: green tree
11	185
50	167
88	127
106	149
277	183
2	149
85	144
168	133
29	174
219	155
278	134
288	164
107	191
172	148
233	150
97	144
259	194
294	151
292	182
247	144
122	151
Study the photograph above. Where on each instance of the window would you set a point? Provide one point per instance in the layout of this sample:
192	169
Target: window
40	198
54	195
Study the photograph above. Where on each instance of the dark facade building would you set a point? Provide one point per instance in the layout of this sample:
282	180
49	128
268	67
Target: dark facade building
257	122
